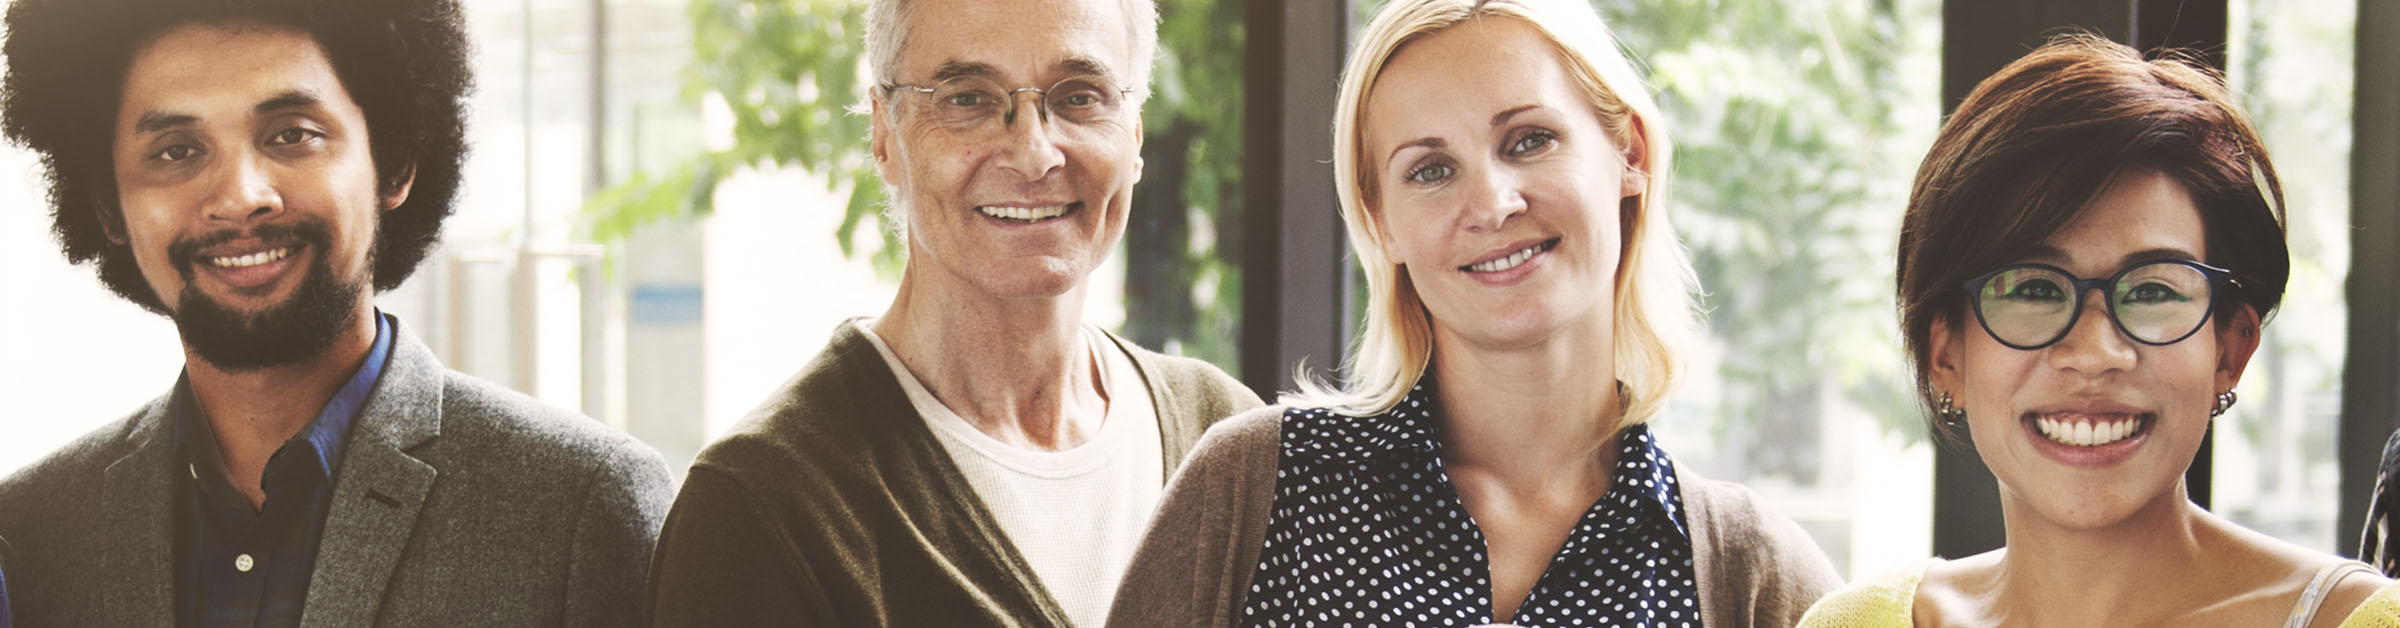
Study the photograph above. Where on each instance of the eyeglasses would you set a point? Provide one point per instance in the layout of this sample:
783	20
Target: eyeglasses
977	107
2031	306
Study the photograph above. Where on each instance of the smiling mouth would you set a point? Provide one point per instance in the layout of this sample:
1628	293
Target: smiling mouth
1511	260
2090	430
1027	214
249	260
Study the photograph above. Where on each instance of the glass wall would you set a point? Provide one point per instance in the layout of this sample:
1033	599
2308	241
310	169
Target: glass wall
2276	463
668	210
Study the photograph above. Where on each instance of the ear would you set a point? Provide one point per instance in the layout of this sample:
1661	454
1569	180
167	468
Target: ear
396	192
879	136
2237	340
112	222
1636	181
1943	348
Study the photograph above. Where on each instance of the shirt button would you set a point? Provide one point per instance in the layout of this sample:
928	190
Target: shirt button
243	563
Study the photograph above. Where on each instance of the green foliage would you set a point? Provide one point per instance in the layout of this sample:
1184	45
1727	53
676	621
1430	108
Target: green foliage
1798	126
790	70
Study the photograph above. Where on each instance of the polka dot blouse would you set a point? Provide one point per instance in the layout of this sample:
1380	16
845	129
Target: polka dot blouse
1368	531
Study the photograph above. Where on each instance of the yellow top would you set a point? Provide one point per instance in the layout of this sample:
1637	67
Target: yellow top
2381	610
1885	601
1889	601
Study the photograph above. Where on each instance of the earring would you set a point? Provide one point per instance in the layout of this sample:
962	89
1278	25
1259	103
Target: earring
2224	402
1950	414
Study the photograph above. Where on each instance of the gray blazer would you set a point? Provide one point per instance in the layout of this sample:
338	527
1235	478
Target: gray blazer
456	503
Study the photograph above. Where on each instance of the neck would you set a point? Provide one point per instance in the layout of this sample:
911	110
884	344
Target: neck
1526	413
2052	575
253	412
1018	369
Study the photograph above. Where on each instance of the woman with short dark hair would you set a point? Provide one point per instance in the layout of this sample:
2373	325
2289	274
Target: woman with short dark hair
2086	260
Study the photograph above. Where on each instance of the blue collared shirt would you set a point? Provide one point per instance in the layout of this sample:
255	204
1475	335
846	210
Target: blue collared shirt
1366	529
250	568
3	600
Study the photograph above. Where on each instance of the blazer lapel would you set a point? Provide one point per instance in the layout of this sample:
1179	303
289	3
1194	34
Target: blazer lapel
138	554
379	490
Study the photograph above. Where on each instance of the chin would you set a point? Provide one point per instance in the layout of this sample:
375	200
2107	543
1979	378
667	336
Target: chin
2096	507
1035	283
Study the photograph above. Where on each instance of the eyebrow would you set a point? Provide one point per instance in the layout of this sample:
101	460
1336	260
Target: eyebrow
1083	65
956	69
294	99
1502	117
1430	143
1070	65
2046	252
156	121
1436	143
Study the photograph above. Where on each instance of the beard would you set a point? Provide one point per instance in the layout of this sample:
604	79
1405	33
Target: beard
296	330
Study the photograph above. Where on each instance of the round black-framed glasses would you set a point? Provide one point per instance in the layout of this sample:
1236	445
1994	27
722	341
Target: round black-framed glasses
2158	302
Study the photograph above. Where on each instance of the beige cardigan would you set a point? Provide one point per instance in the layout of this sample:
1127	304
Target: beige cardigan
1755	568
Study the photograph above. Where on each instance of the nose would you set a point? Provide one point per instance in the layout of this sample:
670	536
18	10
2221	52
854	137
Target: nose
1027	147
1496	198
2094	345
243	191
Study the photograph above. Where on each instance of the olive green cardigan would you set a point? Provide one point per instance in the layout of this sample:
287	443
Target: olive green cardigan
833	505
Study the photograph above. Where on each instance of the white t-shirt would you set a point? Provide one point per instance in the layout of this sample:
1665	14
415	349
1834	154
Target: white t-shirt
1075	515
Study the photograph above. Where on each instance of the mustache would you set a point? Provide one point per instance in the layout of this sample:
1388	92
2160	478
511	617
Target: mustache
184	252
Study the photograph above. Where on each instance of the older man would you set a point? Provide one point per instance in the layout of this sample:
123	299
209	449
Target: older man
978	455
255	170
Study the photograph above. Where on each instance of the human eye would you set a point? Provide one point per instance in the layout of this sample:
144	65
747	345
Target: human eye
1429	173
175	153
293	136
967	99
1079	93
1531	141
2155	292
2030	286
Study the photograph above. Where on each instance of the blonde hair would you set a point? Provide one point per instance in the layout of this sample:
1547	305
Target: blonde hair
1654	283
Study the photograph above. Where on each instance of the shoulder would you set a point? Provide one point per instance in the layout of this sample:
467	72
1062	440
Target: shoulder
65	472
1190	382
524	428
840	427
827	417
1242	440
1884	601
1749	555
1735	515
2380	609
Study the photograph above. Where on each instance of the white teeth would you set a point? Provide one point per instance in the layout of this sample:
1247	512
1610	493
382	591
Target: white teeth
1506	263
1023	213
253	259
2086	433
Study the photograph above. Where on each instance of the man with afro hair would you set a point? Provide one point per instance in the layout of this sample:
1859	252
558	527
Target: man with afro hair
256	171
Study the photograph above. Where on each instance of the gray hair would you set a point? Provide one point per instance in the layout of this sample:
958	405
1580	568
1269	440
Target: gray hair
887	33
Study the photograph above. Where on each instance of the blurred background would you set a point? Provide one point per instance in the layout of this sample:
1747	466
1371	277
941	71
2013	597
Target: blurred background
667	211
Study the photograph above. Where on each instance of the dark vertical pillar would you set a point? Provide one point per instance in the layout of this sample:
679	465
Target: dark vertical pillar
2371	370
1293	271
1978	38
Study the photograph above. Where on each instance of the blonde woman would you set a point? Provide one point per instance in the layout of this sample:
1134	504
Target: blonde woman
2093	244
1500	167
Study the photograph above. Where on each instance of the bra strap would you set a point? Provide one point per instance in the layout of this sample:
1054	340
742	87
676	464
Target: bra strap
2313	597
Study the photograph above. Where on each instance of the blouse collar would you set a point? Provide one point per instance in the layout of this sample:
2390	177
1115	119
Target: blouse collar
1644	477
